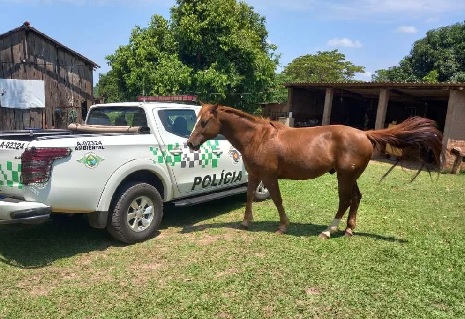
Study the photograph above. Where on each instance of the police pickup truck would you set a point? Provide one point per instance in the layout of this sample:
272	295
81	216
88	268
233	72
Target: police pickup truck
118	168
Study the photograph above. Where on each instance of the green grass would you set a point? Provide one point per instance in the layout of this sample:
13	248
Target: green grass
406	259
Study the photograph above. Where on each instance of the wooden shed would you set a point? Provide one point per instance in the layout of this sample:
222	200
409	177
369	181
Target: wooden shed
372	105
27	54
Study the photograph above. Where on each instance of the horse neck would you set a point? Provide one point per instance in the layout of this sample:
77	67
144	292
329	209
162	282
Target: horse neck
238	130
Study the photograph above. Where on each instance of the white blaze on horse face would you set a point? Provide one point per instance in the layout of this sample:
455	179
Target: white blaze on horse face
197	123
198	120
332	228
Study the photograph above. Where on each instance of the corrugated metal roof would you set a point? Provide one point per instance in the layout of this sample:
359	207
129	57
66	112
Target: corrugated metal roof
443	85
26	26
398	91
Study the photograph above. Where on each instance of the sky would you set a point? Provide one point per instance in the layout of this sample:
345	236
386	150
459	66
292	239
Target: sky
375	34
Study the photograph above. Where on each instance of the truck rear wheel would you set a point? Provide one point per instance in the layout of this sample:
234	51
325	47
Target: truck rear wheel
136	214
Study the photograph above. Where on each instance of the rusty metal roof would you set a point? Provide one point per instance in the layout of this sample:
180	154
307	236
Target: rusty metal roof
26	26
397	90
442	85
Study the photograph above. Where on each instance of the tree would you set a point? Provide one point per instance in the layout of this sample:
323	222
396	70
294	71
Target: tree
217	49
149	65
438	57
279	93
109	87
326	66
401	73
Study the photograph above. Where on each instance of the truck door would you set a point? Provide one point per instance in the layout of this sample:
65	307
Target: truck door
216	165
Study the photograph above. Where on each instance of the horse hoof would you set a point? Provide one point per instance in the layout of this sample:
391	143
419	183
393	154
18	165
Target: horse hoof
279	231
323	236
348	232
244	226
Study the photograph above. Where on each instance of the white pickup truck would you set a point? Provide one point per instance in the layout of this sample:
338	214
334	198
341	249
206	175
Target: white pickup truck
118	168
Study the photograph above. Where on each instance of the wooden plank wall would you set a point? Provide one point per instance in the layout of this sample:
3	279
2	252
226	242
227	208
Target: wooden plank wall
68	81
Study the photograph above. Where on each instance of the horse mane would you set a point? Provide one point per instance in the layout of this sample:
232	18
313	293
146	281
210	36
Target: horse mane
253	118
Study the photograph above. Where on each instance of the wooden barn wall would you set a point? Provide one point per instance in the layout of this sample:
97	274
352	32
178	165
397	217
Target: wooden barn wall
275	110
67	79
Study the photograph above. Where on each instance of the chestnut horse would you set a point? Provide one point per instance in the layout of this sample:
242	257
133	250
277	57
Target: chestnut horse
273	151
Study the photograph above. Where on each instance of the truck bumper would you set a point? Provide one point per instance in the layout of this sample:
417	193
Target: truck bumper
14	211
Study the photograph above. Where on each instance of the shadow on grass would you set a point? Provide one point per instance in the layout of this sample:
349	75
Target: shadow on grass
188	217
381	237
36	246
295	229
181	216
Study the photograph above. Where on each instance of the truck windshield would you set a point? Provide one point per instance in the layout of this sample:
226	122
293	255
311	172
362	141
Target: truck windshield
117	116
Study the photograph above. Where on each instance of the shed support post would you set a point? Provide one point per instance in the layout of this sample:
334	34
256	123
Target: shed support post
454	135
327	107
382	108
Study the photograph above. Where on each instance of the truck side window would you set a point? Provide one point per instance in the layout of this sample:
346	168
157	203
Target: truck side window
180	122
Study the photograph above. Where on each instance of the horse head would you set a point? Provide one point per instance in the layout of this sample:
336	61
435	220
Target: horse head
207	126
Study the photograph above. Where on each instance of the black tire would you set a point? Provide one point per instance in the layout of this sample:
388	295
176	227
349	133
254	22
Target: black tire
261	193
145	223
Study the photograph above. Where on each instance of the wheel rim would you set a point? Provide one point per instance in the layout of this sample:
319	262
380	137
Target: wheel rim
261	189
140	214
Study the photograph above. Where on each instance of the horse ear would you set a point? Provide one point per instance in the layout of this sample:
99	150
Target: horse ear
214	109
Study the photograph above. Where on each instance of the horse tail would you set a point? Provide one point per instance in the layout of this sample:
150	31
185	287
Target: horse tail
417	132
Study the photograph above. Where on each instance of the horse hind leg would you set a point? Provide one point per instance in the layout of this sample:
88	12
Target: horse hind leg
345	190
273	187
354	204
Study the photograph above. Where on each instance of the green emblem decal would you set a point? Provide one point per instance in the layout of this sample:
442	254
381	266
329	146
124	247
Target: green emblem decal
9	175
90	160
207	157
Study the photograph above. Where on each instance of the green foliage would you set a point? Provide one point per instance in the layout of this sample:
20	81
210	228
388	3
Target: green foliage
401	73
431	77
216	49
438	57
110	87
326	66
279	91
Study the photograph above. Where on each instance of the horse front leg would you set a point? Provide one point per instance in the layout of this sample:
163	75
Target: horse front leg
252	185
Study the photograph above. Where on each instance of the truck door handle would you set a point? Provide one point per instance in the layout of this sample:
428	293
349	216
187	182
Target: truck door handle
176	152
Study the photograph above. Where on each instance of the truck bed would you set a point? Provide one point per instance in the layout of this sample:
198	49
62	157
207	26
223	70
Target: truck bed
29	135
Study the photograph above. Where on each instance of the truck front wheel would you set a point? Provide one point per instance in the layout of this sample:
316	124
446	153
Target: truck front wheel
136	214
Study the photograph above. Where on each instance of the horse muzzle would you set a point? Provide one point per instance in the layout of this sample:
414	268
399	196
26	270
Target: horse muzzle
193	146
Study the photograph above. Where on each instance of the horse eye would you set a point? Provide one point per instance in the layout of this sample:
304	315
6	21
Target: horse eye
203	123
